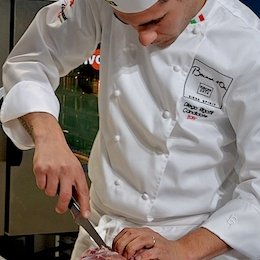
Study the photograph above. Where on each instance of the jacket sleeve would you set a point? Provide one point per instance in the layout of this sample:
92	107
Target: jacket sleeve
237	222
60	38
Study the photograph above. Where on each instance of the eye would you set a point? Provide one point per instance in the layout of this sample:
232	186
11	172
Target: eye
152	22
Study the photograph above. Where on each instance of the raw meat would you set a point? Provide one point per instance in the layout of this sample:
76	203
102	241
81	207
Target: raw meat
102	253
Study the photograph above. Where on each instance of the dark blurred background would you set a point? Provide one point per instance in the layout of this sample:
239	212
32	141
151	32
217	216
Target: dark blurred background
253	4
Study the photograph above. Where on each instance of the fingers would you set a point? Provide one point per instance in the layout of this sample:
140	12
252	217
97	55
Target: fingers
151	253
67	176
131	242
80	192
41	179
83	196
124	243
52	185
65	193
146	244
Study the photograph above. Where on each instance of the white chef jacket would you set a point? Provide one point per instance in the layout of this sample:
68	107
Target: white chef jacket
179	137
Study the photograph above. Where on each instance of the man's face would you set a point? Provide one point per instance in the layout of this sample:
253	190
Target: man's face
162	23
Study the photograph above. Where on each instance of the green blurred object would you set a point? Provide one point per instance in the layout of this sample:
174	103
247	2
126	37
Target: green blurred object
79	119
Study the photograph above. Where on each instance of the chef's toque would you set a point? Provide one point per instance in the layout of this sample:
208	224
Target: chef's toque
131	6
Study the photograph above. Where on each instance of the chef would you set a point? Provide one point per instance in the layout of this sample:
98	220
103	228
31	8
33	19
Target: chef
175	166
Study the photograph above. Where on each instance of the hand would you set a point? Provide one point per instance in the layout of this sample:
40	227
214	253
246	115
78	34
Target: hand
54	165
145	244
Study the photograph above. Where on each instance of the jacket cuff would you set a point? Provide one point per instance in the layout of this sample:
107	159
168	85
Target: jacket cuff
42	99
236	225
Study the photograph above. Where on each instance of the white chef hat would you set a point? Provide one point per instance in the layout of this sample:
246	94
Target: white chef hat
131	6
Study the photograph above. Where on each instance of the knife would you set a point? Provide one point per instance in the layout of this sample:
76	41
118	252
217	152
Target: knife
85	223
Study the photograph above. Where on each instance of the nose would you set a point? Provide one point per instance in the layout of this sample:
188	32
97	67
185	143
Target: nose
147	37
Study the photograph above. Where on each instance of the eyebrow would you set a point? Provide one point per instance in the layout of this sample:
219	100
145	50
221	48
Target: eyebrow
155	21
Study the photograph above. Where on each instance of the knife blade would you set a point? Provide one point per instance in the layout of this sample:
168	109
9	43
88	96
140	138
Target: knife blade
85	223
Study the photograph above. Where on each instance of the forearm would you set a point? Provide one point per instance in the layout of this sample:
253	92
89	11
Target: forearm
42	127
201	244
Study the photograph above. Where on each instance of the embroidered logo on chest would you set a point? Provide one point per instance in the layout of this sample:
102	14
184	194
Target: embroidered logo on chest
206	85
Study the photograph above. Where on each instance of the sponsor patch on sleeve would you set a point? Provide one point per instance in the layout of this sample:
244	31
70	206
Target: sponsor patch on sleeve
66	10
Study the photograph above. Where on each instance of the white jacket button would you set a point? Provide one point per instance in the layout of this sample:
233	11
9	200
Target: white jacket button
195	30
176	68
145	196
117	138
117	182
117	93
166	114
